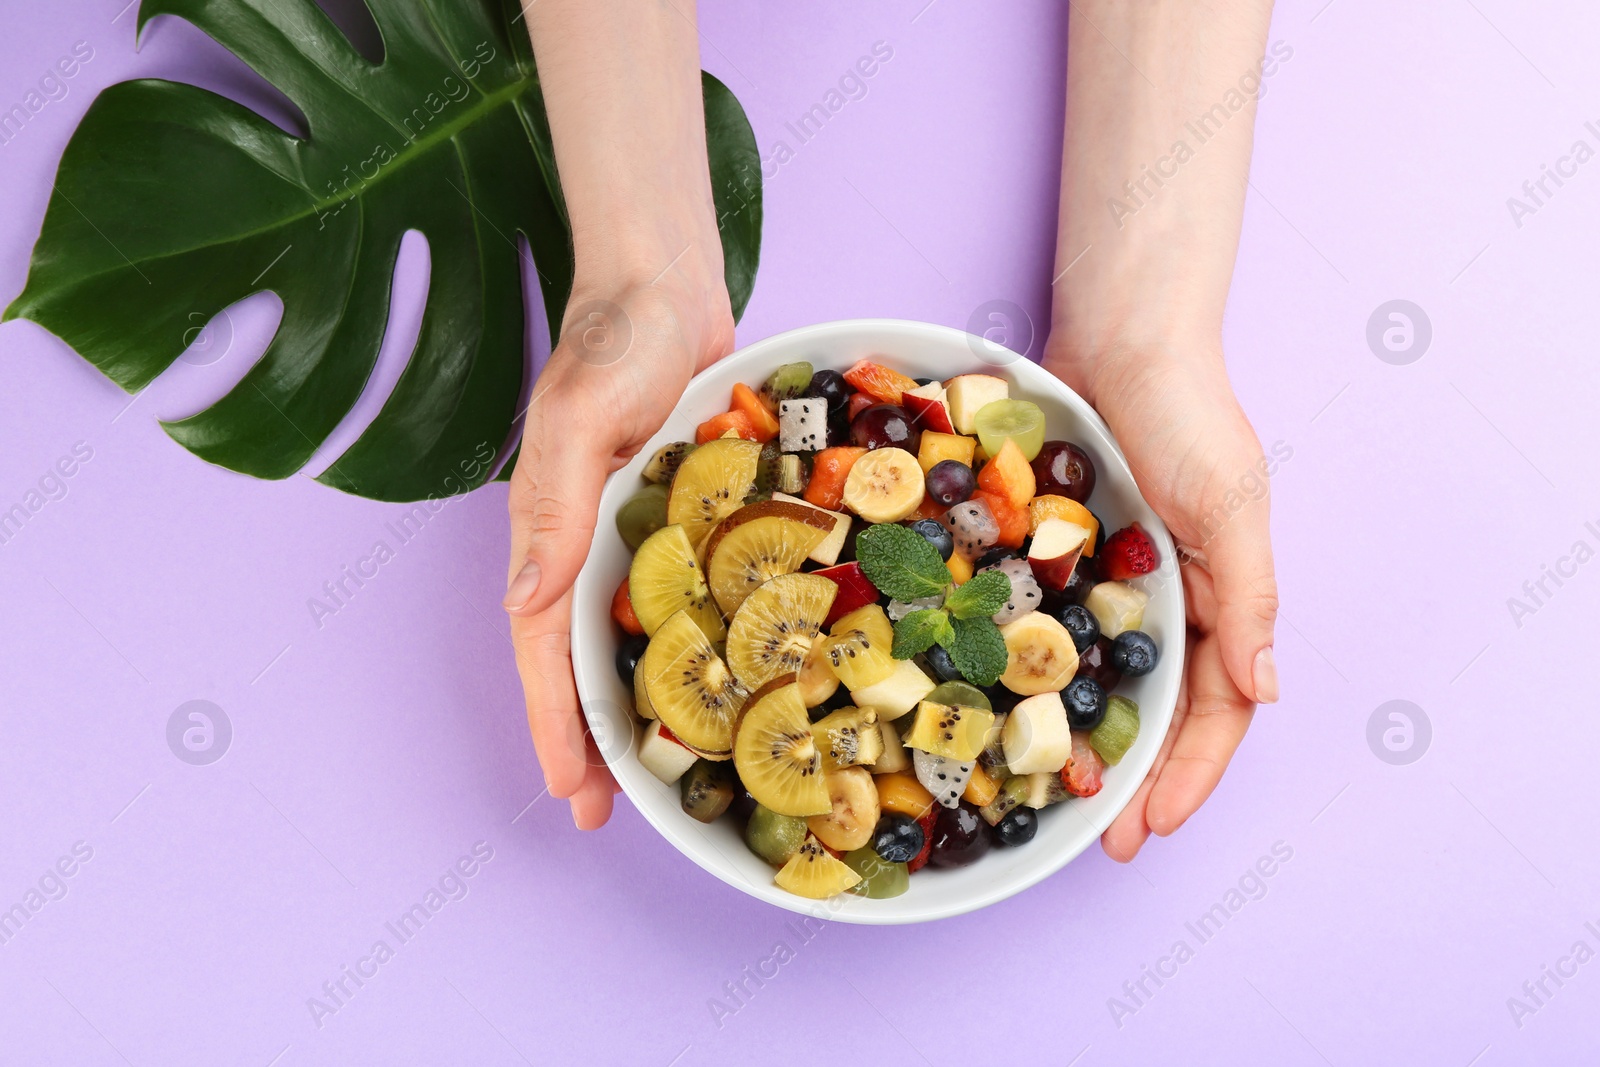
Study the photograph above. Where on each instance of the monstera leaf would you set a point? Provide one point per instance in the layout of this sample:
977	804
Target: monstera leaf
173	202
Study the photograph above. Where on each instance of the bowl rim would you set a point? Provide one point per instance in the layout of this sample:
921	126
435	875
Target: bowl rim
634	779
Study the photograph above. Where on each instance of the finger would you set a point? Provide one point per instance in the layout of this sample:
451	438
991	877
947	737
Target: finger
1129	831
1216	720
1131	828
543	647
1239	558
554	501
591	804
1199	595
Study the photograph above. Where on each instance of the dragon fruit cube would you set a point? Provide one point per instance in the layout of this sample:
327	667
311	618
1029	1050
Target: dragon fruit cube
973	526
803	424
1025	592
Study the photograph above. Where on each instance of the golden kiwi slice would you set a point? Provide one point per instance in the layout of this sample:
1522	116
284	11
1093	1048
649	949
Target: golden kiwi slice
773	630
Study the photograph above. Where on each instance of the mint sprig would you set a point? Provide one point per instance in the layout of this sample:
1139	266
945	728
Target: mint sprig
978	651
920	631
901	563
980	596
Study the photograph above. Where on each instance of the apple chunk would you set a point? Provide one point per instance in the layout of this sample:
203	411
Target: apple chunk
1057	544
855	590
828	549
926	403
966	393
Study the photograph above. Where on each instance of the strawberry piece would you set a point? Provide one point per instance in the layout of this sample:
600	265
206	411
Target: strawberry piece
885	384
1082	774
920	860
622	612
1127	553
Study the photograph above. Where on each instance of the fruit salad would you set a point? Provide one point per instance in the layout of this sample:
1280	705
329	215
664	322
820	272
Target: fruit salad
875	621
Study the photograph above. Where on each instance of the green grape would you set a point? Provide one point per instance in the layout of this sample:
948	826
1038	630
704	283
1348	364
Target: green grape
879	878
774	837
968	696
642	514
1020	420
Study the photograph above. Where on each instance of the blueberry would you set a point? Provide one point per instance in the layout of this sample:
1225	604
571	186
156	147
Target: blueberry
830	386
943	667
1133	652
1081	624
629	653
933	531
1086	703
924	381
1017	827
897	838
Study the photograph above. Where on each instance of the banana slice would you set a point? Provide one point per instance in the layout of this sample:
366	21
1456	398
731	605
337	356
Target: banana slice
1036	736
1040	655
885	485
854	810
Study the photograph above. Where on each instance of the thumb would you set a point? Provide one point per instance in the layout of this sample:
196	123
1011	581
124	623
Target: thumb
1239	555
554	501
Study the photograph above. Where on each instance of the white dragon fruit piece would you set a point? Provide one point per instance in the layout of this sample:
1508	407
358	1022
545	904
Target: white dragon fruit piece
1025	593
802	424
945	778
973	526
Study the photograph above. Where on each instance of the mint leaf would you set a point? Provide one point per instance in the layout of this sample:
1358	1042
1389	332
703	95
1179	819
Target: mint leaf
978	651
981	596
901	563
920	631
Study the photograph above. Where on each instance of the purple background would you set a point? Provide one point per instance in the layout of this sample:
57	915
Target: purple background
371	752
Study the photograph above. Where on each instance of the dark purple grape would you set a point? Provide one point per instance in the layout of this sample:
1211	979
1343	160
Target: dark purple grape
1001	699
1085	576
1063	469
951	482
629	653
829	385
743	803
1095	664
885	426
960	836
997	554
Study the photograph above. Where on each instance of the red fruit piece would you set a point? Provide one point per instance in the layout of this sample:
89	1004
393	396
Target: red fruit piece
1082	773
927	407
885	384
622	612
1126	554
920	860
855	590
858	403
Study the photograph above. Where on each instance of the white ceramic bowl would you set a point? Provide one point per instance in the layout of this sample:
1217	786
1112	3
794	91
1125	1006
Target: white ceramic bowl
1065	830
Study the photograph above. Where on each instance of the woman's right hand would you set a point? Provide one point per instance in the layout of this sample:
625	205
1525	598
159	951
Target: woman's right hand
625	355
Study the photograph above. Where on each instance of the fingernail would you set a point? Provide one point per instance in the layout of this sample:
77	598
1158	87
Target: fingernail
1266	677
522	587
